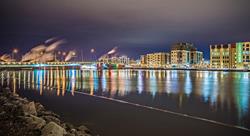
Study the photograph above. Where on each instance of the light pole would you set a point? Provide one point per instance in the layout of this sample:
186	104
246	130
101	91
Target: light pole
59	55
93	52
74	55
64	55
14	51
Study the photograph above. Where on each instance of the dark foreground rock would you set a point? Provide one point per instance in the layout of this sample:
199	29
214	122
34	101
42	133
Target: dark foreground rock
21	117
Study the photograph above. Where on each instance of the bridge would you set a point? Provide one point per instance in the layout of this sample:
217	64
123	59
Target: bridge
39	64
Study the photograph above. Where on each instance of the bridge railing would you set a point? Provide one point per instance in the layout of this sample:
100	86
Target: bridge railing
48	63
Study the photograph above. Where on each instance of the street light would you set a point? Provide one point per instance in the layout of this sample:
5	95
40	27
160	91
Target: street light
14	51
93	52
64	53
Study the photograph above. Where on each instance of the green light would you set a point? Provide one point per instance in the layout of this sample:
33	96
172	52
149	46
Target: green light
239	54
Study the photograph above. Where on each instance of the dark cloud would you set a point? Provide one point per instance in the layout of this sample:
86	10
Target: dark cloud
136	26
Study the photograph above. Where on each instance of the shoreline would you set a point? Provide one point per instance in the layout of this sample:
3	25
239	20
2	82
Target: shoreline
146	121
20	116
136	68
193	69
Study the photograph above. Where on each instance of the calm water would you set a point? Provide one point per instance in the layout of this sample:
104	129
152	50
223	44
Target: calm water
219	96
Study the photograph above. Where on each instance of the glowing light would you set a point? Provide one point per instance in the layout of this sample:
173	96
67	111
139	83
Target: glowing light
64	53
15	50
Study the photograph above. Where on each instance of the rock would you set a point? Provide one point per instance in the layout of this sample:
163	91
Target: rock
51	118
39	107
2	113
83	128
11	109
80	133
15	95
68	126
21	100
8	104
52	129
19	116
70	134
29	108
48	113
73	131
2	98
35	122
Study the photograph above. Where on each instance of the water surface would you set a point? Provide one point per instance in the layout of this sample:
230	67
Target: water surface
213	95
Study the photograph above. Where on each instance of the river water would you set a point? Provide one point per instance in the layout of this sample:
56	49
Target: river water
213	95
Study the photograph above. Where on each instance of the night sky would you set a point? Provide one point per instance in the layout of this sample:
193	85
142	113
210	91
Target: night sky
135	26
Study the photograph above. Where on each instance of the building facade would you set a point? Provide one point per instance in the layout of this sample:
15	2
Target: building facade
160	59
115	60
185	54
234	55
243	55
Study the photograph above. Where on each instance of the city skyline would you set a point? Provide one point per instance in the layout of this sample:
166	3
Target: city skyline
124	67
136	27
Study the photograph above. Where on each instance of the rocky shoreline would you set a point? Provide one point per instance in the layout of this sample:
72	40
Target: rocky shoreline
21	117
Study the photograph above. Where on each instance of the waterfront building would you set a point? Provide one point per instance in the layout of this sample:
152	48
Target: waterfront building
243	55
143	60
185	54
234	55
222	56
115	60
159	59
123	60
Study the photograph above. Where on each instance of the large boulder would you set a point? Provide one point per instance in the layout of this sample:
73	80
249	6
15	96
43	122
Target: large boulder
29	108
52	129
34	122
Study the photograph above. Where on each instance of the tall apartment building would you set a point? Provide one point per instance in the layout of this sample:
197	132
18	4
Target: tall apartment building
185	54
234	55
159	59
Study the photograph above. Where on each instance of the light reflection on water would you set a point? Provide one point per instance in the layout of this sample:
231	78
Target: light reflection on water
220	96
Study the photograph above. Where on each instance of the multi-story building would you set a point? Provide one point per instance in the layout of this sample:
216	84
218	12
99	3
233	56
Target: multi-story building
243	55
124	60
160	59
115	60
234	55
222	56
185	54
196	57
